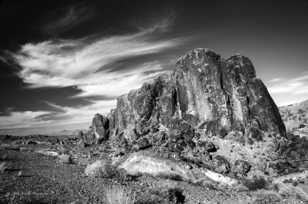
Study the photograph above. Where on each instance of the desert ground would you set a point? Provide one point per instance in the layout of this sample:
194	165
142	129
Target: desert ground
35	169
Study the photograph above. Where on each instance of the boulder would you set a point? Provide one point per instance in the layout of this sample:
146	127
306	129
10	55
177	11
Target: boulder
100	126
139	163
65	159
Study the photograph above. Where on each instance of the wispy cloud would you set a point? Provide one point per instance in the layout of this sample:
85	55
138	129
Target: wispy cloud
4	60
73	63
63	115
87	64
66	18
22	119
162	24
288	91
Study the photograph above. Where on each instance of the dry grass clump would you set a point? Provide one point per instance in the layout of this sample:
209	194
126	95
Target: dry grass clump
100	168
117	194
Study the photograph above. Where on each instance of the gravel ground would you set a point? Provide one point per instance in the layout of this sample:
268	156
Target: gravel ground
29	177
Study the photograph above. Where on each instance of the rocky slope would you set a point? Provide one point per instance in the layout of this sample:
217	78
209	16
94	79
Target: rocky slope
295	117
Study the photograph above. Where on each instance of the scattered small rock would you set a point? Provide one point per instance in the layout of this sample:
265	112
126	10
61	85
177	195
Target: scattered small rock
48	152
31	142
81	144
65	158
76	202
4	157
20	173
208	146
141	144
3	167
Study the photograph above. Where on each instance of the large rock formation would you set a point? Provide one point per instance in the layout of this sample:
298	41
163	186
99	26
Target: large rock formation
208	93
205	97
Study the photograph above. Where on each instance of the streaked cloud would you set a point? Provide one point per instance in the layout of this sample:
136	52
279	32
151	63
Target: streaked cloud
64	115
288	91
87	64
22	119
64	19
74	62
163	23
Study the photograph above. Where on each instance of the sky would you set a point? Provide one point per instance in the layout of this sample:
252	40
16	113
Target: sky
63	61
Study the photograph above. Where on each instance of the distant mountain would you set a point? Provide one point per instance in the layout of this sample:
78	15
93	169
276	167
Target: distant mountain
295	117
55	130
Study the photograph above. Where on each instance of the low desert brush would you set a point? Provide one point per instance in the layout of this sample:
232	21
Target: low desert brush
117	194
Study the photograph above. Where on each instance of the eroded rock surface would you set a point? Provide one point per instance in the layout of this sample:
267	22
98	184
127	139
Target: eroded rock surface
139	163
205	97
207	92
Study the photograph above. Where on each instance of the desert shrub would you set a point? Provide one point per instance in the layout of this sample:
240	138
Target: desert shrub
117	194
302	126
255	183
223	132
122	177
267	199
176	196
162	196
294	153
300	111
30	198
241	168
221	164
100	168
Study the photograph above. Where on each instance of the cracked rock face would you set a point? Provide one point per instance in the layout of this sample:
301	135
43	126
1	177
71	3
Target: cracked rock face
204	96
207	92
224	95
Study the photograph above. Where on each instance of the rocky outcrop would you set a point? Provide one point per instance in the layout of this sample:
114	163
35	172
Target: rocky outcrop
295	117
97	133
208	93
204	97
100	126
